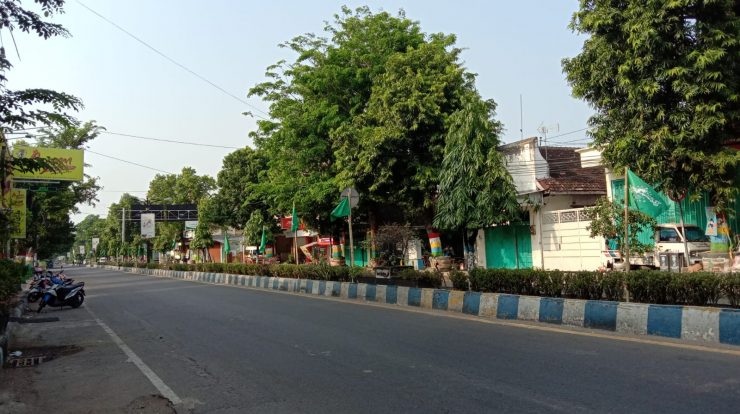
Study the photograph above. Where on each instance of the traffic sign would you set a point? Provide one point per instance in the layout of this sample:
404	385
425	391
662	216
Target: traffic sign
354	196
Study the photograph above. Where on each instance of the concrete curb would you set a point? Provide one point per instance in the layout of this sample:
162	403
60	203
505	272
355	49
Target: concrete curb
689	323
5	337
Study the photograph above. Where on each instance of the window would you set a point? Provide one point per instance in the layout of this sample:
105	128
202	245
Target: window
695	234
669	235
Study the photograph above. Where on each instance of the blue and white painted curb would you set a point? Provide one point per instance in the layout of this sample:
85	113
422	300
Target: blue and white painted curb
715	325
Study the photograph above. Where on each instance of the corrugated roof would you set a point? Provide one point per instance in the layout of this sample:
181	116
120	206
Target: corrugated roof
567	175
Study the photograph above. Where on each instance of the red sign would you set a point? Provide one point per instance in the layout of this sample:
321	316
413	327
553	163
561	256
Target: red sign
286	222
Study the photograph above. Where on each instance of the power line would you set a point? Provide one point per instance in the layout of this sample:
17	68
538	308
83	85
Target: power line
568	133
128	162
120	134
185	68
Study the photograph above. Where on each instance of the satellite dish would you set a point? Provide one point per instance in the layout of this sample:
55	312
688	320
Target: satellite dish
354	196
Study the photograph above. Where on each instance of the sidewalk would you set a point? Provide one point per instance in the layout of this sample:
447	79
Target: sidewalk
80	370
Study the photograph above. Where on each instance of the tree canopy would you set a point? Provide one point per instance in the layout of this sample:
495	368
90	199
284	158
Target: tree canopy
475	188
49	227
22	109
185	188
239	192
367	106
663	79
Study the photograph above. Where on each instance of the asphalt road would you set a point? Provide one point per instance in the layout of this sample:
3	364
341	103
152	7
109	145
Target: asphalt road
235	350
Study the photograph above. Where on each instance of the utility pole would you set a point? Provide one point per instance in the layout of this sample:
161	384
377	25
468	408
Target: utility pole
123	225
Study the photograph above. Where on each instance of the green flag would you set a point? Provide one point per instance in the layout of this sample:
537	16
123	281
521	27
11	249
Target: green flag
341	210
225	249
294	220
263	242
643	196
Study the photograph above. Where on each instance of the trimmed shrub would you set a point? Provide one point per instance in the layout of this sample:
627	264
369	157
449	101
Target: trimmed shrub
730	287
459	280
420	278
649	286
698	289
12	274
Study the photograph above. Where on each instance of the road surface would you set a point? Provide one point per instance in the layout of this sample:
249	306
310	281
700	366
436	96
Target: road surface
236	350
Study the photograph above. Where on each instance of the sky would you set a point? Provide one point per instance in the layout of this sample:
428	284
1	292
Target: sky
515	48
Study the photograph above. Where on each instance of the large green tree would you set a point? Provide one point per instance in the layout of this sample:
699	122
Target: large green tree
49	227
185	188
662	76
366	107
112	241
239	190
393	150
22	109
91	226
475	189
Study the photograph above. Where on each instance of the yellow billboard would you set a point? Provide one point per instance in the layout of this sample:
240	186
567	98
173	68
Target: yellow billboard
72	162
15	200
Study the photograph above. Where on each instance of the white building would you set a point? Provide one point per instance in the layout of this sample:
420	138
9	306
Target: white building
554	185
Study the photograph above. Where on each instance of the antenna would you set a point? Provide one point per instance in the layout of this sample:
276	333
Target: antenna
542	129
521	117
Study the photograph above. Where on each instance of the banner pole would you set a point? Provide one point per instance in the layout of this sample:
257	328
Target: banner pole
351	241
626	221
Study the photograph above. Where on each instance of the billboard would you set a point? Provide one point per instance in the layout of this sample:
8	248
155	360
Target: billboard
147	225
71	160
95	243
15	200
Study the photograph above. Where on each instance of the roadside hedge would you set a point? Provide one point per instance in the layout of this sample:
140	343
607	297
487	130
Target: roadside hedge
647	286
312	272
12	274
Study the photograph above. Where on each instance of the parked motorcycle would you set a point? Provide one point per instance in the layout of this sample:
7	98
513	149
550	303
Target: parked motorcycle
43	282
64	295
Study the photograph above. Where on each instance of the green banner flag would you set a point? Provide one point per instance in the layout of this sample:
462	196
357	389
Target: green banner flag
341	210
225	249
263	241
294	221
643	196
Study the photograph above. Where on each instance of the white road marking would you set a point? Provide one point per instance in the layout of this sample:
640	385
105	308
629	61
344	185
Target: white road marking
144	368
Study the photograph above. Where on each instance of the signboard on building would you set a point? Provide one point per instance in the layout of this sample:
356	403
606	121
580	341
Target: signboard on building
191	224
95	243
82	249
147	225
286	222
15	200
71	162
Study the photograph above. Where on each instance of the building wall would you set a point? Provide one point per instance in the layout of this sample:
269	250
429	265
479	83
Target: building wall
567	243
526	165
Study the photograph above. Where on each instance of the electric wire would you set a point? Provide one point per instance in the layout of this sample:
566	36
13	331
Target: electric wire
174	141
127	162
173	61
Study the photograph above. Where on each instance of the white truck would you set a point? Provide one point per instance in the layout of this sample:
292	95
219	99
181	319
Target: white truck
669	238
